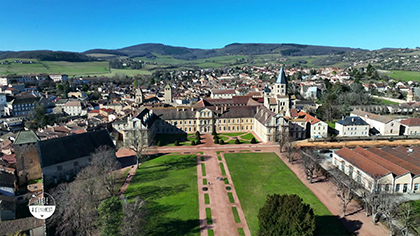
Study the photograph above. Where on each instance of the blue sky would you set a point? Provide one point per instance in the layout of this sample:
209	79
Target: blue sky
76	25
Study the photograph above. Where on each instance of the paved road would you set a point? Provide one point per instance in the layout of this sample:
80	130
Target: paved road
390	99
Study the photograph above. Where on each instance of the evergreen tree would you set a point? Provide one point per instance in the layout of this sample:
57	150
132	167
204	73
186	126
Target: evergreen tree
110	216
237	141
253	140
176	143
286	215
221	141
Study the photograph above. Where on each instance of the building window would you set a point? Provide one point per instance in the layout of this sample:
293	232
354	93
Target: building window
351	171
343	166
359	177
405	188
416	187
397	188
387	187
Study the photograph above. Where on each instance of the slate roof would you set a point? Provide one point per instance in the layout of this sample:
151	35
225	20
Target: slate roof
24	137
172	114
239	112
7	179
13	226
281	79
58	150
7	203
352	120
223	91
26	100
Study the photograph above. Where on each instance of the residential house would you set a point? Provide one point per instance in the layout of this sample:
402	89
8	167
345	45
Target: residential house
302	125
7	183
58	78
410	126
352	126
7	208
382	125
73	108
223	93
20	106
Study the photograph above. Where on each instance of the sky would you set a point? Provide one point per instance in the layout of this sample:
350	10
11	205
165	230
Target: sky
80	25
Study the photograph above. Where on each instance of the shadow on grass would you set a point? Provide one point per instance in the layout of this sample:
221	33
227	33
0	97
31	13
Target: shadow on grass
158	224
334	225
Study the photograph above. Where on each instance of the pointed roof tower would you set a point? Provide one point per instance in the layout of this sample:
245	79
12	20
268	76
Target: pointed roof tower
281	79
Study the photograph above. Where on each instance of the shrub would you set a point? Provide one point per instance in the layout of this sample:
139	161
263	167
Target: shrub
221	141
253	140
216	141
159	143
198	141
193	143
176	143
215	137
214	132
237	141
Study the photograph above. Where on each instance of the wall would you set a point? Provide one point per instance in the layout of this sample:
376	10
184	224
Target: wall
27	162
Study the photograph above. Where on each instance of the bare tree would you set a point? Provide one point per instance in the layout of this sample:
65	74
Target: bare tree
346	188
78	201
283	138
134	218
291	151
389	210
137	140
310	163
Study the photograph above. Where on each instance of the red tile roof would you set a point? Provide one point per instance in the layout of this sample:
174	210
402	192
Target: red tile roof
366	165
381	161
397	161
411	122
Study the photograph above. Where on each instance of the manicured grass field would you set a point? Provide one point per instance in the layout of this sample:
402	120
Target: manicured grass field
210	232
257	174
405	75
384	101
204	181
233	134
241	232
219	158
248	136
169	140
168	184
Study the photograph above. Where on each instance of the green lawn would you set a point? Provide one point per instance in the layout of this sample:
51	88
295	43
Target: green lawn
405	75
233	134
222	168
210	232
231	199
168	184
204	181
169	140
208	216
384	101
203	169
241	232
236	215
206	198
257	174
248	136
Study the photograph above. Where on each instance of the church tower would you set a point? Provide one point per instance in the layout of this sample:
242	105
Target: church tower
281	94
280	86
410	95
139	97
267	96
168	94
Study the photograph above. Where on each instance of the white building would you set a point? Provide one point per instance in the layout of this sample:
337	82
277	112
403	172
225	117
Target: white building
58	78
352	126
410	126
73	108
223	93
381	124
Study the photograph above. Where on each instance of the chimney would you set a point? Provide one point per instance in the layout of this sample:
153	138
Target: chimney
192	108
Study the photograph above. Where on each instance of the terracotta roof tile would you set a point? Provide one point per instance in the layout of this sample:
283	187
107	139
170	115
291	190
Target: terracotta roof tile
397	170
369	167
411	122
397	161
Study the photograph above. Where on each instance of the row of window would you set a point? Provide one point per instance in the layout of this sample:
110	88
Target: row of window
355	128
193	122
355	133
